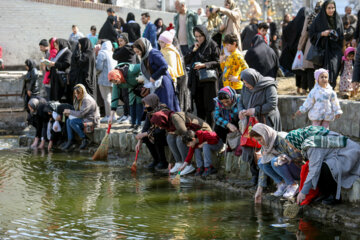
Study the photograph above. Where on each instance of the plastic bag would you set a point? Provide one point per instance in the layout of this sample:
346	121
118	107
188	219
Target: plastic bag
298	61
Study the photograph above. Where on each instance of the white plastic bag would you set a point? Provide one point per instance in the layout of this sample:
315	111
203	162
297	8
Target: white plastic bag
298	61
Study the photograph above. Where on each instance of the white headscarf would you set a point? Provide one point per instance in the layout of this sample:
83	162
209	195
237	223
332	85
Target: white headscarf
269	135
106	48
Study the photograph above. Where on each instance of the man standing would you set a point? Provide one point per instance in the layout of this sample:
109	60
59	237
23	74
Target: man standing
150	30
351	17
75	35
44	47
185	21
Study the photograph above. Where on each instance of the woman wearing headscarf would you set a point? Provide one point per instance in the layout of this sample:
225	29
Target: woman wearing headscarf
213	24
262	58
176	125
155	71
30	86
227	104
59	70
153	137
108	31
328	29
39	120
280	162
258	98
160	27
83	70
232	21
124	76
205	54
132	28
52	55
334	161
308	81
104	64
290	39
86	112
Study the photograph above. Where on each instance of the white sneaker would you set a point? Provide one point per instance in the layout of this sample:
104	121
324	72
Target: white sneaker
124	119
175	169
104	119
291	190
280	190
188	169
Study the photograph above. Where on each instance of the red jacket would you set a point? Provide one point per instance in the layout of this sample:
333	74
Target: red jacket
203	136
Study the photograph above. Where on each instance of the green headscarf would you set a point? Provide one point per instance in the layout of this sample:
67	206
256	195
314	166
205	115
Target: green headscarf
297	137
314	137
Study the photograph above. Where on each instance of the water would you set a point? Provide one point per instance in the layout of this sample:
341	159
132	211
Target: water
68	196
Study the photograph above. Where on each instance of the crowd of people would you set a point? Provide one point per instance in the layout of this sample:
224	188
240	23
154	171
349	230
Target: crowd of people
191	87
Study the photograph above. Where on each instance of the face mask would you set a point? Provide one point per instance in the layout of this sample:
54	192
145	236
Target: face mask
148	109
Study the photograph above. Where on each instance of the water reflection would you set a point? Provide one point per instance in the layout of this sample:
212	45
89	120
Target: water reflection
60	195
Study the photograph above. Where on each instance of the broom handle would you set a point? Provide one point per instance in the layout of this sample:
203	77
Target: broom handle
108	130
136	157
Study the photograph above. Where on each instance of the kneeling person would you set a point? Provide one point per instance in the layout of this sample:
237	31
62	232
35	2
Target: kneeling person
209	142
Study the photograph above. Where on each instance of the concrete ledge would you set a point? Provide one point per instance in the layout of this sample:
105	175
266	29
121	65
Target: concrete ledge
348	124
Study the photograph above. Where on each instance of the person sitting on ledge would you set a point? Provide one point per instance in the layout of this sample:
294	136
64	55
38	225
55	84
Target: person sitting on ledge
280	162
334	161
83	119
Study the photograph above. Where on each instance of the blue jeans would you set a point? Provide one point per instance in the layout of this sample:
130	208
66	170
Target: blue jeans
136	112
207	150
177	147
75	125
289	172
286	172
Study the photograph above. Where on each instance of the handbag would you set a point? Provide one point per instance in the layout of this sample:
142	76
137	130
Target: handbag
316	54
246	140
207	75
233	139
141	91
89	127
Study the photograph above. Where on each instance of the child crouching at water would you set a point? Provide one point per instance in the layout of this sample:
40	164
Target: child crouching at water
209	142
322	102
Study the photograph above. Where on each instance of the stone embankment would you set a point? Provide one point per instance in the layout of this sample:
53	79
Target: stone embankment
233	173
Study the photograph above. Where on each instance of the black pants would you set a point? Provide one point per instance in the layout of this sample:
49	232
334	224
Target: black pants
204	102
157	149
298	77
124	96
308	79
327	185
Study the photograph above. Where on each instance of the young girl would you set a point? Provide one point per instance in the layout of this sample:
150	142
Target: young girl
322	102
209	142
347	73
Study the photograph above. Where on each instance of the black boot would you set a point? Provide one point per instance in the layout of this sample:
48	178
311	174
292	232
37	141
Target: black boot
84	143
152	165
162	165
67	145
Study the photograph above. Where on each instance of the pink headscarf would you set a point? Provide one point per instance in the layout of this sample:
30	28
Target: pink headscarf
347	51
319	72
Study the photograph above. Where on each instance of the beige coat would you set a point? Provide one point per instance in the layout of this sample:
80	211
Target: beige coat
305	44
232	24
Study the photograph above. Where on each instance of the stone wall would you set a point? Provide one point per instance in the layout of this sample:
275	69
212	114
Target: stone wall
24	23
348	124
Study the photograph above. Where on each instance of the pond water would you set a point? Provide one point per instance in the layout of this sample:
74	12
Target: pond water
68	196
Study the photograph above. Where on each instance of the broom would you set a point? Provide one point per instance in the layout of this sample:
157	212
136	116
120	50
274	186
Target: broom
133	167
102	151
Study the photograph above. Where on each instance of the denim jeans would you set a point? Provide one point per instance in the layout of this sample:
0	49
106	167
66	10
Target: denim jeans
207	150
136	112
289	172
286	172
177	147
75	125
